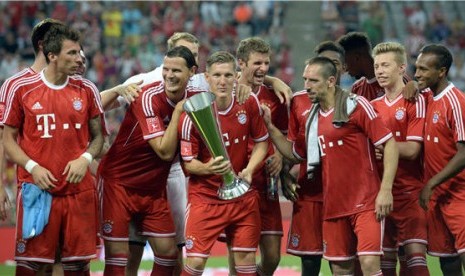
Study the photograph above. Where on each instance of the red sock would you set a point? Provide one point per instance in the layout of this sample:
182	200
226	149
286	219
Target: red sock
164	265
25	268
246	270
388	266
115	264
416	265
188	271
379	273
76	268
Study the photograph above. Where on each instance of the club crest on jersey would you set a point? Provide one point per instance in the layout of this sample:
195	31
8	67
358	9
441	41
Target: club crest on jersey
295	240
107	226
190	242
241	117
77	104
436	116
400	113
153	125
21	246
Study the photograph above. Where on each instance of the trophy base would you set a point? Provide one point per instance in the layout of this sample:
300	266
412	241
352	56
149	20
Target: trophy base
233	190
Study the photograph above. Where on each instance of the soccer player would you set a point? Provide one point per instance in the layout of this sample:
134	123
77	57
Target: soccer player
444	193
135	170
406	225
253	55
355	200
57	118
207	215
307	193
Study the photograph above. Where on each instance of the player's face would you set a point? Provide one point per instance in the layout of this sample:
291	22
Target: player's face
176	75
353	65
427	72
314	82
255	69
194	47
69	59
82	65
337	59
221	78
387	71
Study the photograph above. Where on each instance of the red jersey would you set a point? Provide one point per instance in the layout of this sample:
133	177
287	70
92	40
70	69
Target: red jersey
53	125
444	128
239	123
351	180
300	107
406	120
279	117
370	89
8	85
131	161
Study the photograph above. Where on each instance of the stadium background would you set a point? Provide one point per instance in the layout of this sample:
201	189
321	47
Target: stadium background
123	38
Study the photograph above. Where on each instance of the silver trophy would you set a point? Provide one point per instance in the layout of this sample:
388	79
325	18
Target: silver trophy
201	109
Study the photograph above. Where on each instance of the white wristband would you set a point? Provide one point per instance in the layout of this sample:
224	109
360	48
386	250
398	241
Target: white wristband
87	156
30	165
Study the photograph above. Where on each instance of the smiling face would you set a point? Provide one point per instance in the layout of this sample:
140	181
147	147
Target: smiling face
176	75
388	71
255	69
428	73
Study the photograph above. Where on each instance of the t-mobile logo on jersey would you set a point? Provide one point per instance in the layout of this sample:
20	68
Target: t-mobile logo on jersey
323	144
45	123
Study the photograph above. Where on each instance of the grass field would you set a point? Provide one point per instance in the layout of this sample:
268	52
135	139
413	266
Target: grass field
214	262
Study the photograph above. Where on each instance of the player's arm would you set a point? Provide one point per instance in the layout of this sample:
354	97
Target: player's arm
5	203
409	150
282	90
453	167
216	166
165	146
279	140
128	91
258	154
42	177
76	169
384	199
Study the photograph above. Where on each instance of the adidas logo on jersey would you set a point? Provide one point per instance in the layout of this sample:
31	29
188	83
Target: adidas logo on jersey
37	106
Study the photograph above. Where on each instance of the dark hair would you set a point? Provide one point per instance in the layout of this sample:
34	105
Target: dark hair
39	31
330	46
328	66
221	57
252	45
355	41
53	40
443	55
182	52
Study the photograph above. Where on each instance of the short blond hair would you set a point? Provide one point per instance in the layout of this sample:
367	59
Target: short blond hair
181	36
391	47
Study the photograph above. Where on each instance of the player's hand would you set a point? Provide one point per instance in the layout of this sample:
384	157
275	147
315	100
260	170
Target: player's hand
129	91
179	106
289	186
266	115
282	91
425	196
379	152
246	175
76	170
218	166
43	178
242	93
5	203
383	204
274	164
411	91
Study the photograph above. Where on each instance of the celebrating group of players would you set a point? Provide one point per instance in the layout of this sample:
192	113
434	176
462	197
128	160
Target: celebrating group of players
375	175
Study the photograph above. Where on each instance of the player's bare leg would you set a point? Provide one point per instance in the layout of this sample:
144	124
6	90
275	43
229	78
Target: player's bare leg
415	254
166	255
371	265
136	250
270	252
451	265
116	257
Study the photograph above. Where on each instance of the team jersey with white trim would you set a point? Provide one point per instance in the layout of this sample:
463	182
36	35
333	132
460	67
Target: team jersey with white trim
7	87
444	128
53	125
131	161
370	88
406	120
300	106
239	123
351	180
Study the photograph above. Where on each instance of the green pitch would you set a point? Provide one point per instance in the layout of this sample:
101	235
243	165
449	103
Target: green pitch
286	261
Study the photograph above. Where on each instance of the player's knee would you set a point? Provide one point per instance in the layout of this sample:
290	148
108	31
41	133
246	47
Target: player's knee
311	265
196	263
451	265
370	264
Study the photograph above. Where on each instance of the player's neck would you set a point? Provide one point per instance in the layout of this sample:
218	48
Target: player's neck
442	84
243	81
394	91
39	63
223	103
52	75
329	101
